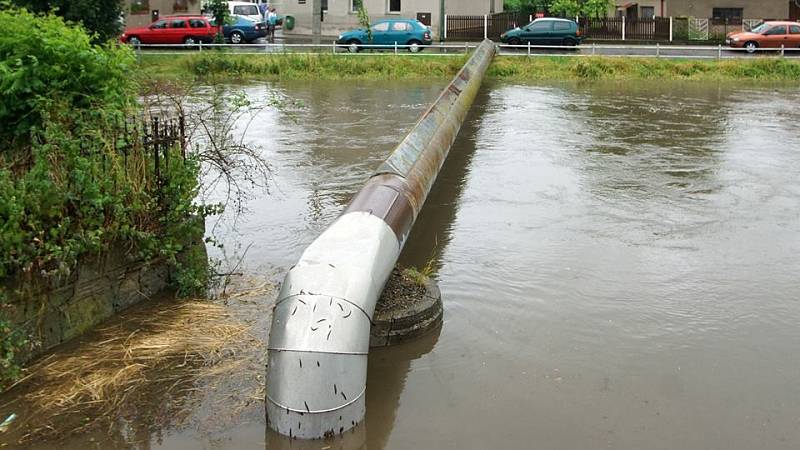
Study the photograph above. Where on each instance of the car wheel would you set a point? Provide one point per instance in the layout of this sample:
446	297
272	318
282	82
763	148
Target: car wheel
134	41
352	46
189	40
568	42
514	41
751	46
237	38
414	46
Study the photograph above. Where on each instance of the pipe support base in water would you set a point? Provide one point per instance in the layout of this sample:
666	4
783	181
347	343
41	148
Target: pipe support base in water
405	311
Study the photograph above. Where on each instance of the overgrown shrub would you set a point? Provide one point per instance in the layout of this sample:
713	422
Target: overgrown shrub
66	187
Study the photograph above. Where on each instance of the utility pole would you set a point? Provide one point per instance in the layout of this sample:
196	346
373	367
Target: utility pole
442	23
316	21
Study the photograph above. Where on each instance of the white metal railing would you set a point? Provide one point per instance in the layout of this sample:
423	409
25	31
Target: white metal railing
657	50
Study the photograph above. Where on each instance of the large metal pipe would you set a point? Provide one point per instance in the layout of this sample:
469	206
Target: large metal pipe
318	344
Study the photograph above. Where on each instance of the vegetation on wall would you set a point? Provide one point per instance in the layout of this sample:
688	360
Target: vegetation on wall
564	8
66	188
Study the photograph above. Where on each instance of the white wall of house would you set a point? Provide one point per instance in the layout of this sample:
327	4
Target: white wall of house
341	16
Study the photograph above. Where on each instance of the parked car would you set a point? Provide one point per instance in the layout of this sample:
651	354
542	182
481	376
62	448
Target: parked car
246	9
386	33
766	35
172	30
545	31
244	30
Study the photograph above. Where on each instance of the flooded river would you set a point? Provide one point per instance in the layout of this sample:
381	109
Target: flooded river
619	261
619	264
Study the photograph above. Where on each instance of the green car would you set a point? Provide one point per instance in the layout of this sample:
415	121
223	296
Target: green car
547	31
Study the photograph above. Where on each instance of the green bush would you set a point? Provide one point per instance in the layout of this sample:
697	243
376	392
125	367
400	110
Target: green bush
66	188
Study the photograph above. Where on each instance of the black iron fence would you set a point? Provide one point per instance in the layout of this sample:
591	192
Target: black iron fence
151	143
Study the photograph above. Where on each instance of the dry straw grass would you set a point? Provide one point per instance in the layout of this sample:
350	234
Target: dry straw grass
152	355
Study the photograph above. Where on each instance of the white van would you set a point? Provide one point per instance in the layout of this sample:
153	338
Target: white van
246	9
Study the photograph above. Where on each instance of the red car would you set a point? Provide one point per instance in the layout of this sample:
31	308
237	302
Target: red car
172	30
766	35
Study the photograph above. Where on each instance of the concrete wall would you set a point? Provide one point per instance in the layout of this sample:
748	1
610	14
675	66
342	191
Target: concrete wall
339	16
753	9
138	12
55	311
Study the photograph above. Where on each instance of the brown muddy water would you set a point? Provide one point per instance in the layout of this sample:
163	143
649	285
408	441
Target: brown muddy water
618	261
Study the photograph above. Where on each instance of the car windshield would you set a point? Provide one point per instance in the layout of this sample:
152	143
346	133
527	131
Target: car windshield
761	28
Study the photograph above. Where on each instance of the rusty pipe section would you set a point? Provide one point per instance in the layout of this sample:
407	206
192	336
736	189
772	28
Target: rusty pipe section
318	344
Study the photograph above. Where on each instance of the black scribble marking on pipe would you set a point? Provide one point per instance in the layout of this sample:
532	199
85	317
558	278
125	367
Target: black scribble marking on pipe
329	335
340	306
301	301
314	329
307	408
317	363
348	314
301	363
335	392
295	309
315	307
322	320
344	396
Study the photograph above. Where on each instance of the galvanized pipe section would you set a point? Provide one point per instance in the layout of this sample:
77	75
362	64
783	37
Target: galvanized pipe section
317	362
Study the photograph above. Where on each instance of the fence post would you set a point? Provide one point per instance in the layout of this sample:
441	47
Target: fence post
719	51
783	48
529	48
445	27
670	28
485	26
333	47
200	46
593	47
395	47
658	50
623	28
466	48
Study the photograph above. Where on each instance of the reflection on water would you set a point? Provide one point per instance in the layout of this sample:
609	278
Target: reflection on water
618	264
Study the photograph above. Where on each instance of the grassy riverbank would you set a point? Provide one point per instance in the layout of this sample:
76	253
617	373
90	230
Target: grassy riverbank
390	67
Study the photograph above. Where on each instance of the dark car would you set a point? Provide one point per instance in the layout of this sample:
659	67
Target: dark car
387	33
244	30
766	35
546	31
172	30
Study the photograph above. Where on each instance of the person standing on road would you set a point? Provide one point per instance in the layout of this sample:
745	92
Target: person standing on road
272	21
263	9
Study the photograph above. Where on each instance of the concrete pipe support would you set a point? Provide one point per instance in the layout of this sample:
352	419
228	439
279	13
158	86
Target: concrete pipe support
318	344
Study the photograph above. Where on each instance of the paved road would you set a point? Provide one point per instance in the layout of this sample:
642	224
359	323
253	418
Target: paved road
303	44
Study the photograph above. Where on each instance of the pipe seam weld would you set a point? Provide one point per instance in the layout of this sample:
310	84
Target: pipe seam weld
316	411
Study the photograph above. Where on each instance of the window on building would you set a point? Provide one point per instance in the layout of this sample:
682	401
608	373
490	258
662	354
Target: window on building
355	5
394	6
727	16
647	12
180	6
301	2
324	5
140	7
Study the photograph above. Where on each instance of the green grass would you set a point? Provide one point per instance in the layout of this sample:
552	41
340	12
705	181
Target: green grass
391	67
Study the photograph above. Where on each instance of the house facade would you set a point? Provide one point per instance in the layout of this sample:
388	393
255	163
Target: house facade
341	15
719	9
142	12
